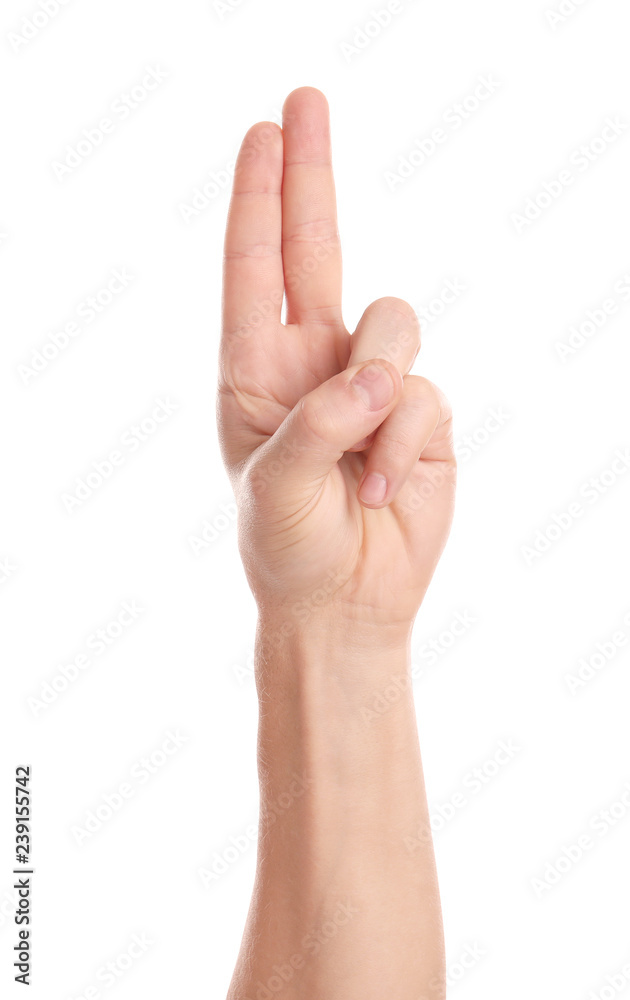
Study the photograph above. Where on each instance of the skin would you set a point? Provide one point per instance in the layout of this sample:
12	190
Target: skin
343	470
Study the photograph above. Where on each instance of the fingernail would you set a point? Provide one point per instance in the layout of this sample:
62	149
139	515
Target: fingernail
373	488
374	385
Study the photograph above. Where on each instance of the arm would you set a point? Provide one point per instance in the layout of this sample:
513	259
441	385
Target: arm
314	423
341	906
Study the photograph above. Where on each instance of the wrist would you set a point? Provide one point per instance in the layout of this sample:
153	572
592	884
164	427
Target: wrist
334	684
301	634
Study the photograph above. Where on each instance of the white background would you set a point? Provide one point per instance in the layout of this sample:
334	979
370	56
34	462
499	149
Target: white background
184	663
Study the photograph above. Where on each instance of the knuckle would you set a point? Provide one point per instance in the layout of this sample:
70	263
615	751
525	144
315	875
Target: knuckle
429	392
398	308
425	391
401	316
395	305
315	417
389	329
428	402
398	449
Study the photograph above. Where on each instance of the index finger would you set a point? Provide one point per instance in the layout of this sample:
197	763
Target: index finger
253	282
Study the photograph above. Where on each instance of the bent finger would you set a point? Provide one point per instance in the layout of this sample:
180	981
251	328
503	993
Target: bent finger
388	329
409	433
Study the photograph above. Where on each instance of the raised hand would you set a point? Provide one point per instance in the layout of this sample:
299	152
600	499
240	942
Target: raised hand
342	462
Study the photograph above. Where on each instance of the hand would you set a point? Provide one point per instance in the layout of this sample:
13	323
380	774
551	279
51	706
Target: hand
342	463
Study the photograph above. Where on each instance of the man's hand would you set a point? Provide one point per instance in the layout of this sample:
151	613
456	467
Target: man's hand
342	463
344	475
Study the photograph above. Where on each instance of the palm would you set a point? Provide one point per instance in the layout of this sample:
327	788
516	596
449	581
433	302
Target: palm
279	365
283	214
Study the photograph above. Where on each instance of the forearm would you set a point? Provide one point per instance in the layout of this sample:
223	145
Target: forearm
341	907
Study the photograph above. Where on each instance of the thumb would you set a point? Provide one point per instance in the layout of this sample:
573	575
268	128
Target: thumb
324	424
